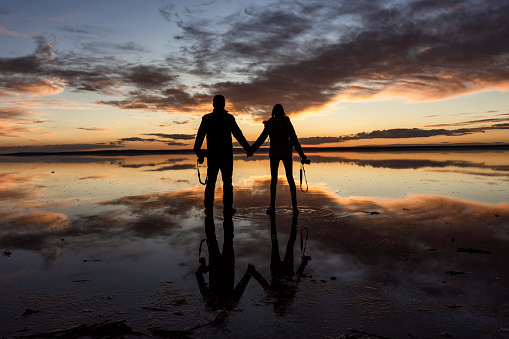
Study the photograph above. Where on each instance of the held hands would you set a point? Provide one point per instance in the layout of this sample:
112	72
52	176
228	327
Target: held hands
250	152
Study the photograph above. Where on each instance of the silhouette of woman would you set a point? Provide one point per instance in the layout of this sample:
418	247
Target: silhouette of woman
282	141
285	280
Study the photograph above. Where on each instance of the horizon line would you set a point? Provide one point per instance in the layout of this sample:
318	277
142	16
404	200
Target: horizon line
237	150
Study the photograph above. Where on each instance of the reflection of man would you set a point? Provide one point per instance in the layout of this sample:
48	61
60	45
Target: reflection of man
220	293
219	126
284	281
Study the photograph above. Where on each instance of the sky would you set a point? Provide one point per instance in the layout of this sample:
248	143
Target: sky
93	75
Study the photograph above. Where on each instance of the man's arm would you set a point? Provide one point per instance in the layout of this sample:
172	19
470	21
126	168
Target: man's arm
255	274
200	136
241	286
237	133
261	139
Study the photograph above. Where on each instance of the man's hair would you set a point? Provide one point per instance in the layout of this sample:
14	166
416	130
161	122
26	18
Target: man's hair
219	101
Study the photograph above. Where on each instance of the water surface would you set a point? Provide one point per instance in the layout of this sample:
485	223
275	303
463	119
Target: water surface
399	243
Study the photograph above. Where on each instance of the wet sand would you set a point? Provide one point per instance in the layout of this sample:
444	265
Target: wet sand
391	271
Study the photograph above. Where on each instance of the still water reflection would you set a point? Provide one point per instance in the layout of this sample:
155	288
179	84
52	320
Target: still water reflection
400	243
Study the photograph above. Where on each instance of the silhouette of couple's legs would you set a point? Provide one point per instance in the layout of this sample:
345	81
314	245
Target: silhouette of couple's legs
274	166
225	165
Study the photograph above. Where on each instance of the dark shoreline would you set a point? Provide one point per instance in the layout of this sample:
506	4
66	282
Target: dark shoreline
413	148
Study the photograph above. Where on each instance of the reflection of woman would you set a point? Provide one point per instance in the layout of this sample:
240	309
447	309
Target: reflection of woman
283	286
282	141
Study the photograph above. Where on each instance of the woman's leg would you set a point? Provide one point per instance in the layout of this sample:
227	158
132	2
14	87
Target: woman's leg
287	162
274	166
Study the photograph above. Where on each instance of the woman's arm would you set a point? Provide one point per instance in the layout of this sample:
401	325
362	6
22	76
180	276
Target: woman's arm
295	140
261	139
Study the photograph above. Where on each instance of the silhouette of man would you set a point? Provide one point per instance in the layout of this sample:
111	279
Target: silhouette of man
219	126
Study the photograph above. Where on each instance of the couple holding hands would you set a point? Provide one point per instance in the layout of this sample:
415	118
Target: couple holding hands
219	126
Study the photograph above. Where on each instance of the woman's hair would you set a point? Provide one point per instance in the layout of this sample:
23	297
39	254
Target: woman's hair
278	111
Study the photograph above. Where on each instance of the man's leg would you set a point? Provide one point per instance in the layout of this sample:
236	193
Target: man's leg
212	170
226	174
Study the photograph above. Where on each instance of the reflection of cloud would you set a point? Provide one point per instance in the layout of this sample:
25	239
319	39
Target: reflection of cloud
97	176
502	175
175	167
33	231
17	186
46	220
123	141
503	169
377	242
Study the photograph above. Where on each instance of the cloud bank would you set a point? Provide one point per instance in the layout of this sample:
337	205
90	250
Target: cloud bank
303	55
401	133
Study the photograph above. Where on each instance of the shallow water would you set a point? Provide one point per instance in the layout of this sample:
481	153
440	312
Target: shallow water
400	243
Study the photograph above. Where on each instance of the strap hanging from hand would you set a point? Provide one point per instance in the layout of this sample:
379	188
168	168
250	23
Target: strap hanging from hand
199	176
303	174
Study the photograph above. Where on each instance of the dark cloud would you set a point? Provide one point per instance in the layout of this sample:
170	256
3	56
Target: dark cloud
149	76
170	99
87	30
473	122
13	113
167	11
130	46
319	140
174	122
300	54
422	49
95	69
399	133
402	133
30	64
93	129
137	139
122	141
56	148
173	136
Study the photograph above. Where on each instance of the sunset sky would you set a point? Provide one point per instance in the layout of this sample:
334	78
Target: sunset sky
90	75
